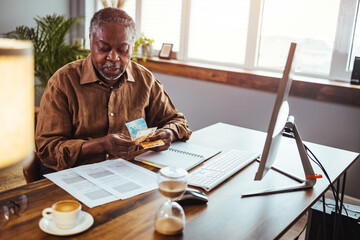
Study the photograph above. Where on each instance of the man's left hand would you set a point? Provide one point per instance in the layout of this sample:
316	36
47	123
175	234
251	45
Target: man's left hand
164	134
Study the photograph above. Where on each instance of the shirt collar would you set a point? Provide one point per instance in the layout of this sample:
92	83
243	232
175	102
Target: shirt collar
129	76
88	74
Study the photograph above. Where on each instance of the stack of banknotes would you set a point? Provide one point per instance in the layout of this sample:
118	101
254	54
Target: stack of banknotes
140	132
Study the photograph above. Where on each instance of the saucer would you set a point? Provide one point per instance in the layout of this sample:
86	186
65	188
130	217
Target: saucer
85	221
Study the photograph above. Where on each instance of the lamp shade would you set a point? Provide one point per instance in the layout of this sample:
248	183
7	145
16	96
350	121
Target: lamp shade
16	102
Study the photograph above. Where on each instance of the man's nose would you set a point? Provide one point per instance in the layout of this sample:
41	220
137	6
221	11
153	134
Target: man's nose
113	56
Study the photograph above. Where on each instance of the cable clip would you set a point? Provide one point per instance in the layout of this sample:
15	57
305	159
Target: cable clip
313	176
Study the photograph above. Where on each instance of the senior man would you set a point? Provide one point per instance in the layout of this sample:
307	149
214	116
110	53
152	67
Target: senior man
87	103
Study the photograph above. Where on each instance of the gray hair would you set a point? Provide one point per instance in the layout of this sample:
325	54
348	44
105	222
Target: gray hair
112	15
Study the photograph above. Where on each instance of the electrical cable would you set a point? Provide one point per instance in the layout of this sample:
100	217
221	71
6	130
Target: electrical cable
330	205
336	225
334	191
288	132
297	237
343	190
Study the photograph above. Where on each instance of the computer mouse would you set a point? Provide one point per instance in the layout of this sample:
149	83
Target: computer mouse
192	197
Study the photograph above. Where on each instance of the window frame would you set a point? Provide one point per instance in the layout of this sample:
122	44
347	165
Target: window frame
343	41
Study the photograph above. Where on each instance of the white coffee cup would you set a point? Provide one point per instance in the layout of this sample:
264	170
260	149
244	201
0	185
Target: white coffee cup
65	214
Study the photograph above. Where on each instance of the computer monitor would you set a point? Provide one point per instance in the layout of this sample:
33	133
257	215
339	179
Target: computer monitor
279	121
279	117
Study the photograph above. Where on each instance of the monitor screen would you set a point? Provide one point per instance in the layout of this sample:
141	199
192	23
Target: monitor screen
278	118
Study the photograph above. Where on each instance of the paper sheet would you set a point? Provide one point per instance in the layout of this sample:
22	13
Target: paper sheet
104	182
119	177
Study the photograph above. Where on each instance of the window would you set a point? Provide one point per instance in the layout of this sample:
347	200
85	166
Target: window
130	8
302	21
161	21
218	32
255	34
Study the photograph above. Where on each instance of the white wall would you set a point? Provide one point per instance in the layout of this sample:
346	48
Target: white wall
14	13
205	103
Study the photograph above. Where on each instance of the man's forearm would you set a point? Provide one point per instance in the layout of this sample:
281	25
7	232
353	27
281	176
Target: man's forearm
91	148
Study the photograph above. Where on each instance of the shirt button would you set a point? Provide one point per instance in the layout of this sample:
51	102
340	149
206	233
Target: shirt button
111	87
112	114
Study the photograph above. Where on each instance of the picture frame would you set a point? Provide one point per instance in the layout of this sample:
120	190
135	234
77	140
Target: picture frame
166	51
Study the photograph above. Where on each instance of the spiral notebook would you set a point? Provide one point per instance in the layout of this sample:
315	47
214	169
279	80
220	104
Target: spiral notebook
180	154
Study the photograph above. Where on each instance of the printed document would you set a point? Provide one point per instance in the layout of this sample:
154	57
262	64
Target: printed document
100	183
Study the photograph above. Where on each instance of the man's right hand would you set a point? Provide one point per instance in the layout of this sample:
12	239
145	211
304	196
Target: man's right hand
119	145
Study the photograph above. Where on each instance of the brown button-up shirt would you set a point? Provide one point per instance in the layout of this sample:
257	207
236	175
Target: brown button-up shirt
76	107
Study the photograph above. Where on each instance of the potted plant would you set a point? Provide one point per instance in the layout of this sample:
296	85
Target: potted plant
143	48
51	51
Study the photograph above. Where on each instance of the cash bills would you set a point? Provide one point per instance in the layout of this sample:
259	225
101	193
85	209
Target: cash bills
153	144
140	132
135	126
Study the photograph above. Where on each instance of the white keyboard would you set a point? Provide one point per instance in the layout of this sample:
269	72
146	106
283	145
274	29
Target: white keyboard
221	167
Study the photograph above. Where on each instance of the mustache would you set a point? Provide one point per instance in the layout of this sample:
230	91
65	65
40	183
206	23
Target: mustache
112	65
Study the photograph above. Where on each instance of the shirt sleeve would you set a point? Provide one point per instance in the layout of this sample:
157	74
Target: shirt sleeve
163	114
53	137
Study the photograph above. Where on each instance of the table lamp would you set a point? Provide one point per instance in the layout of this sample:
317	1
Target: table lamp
16	102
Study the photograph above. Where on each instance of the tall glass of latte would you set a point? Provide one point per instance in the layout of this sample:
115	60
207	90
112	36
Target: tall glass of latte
170	217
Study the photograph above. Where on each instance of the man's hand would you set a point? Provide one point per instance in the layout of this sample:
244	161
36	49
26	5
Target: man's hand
119	145
164	134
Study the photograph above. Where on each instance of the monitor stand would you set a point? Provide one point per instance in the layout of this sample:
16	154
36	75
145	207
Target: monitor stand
310	176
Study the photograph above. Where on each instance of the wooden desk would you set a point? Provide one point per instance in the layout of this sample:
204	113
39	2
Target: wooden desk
226	216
